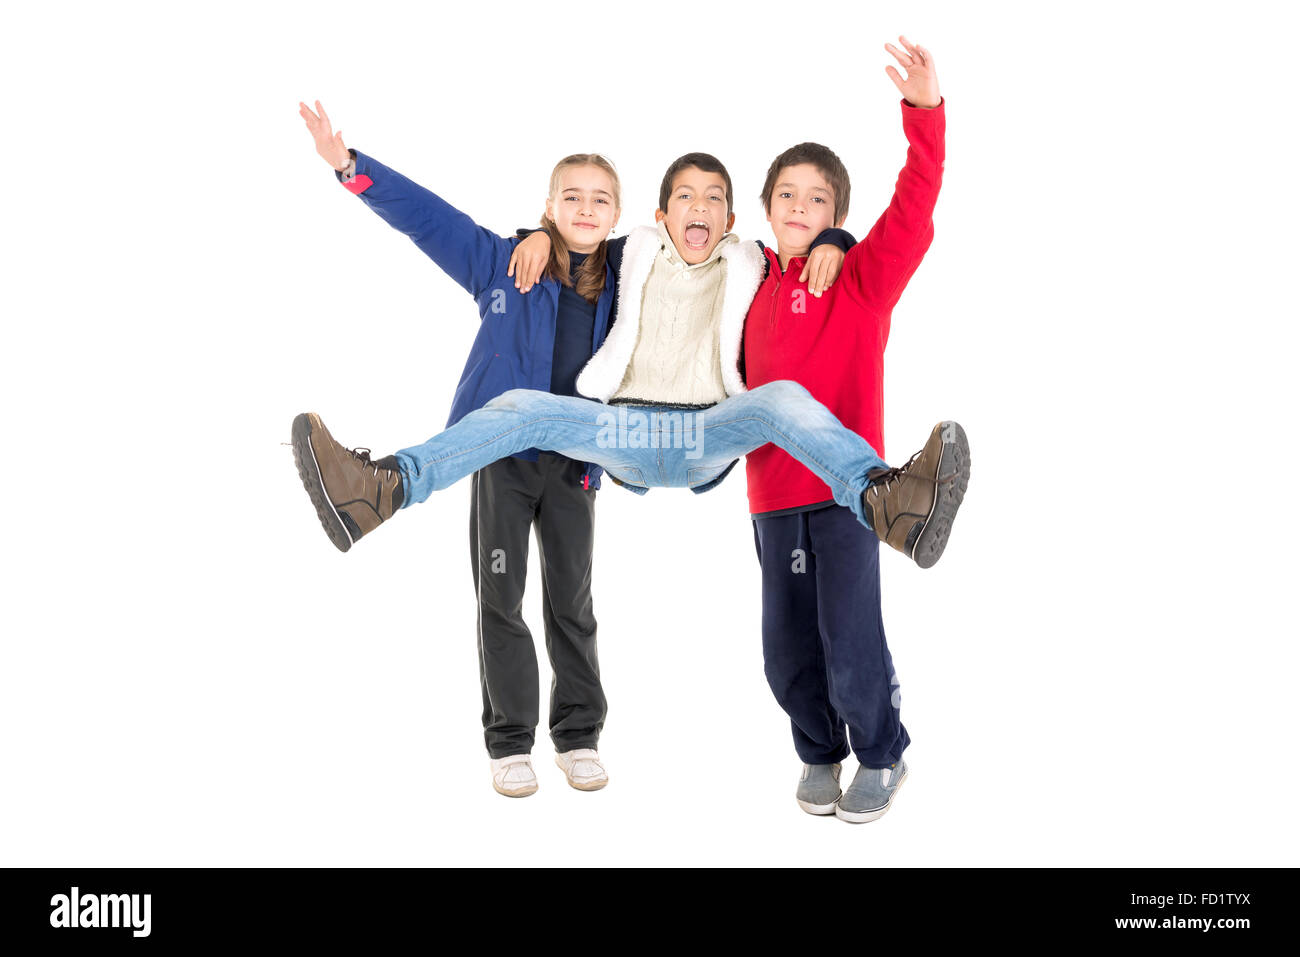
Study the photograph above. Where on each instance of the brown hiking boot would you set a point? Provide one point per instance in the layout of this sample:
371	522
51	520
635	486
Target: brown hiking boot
912	507
352	494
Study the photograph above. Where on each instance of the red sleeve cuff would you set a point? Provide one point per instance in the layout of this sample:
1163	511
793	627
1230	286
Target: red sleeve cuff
909	108
359	183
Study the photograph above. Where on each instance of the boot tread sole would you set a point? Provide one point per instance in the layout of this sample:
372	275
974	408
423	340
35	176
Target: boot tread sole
955	458
309	471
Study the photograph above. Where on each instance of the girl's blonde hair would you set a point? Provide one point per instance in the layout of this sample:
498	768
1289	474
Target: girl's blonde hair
591	274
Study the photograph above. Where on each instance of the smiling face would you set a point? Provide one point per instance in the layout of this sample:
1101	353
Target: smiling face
697	216
801	205
584	207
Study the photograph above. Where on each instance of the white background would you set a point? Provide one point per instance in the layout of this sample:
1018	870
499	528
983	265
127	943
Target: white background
1101	670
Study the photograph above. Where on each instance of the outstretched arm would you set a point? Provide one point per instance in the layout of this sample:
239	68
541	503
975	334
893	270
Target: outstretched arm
878	268
467	252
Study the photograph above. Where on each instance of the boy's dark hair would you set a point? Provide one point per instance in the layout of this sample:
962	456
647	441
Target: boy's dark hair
827	163
701	161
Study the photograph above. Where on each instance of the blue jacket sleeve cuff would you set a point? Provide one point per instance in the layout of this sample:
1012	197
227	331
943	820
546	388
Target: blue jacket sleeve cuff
338	174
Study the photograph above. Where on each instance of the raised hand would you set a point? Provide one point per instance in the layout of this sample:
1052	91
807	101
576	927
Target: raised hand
529	260
921	88
328	143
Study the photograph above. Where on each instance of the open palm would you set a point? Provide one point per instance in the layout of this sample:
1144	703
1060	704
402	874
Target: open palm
921	87
328	143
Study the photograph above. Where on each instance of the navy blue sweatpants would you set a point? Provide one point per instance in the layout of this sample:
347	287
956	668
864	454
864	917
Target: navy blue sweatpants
824	639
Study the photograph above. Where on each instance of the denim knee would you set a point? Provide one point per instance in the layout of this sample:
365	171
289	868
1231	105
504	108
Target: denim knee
519	400
784	390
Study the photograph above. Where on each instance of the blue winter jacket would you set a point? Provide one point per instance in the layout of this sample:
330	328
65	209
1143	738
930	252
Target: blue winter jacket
516	337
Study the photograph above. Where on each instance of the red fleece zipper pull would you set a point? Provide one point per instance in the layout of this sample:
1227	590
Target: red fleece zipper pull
584	482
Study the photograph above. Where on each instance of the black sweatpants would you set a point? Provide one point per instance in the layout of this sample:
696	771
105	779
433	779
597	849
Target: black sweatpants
508	498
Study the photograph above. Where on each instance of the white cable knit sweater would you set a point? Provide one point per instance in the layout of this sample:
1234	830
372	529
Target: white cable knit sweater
676	359
677	338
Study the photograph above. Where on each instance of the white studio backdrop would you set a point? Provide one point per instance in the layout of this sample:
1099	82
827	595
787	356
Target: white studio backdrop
1098	673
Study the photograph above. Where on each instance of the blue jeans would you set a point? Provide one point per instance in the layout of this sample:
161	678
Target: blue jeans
646	446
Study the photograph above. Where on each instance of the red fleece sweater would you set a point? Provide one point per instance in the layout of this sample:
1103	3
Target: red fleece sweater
835	346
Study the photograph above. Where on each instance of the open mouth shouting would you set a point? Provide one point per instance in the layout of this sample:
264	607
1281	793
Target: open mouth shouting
696	235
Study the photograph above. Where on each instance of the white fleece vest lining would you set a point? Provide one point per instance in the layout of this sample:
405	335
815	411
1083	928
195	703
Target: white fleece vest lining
604	372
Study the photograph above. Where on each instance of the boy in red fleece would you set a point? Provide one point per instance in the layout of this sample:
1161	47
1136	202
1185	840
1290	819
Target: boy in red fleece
823	638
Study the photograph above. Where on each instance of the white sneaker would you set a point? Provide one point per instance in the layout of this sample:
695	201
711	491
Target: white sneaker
582	768
513	775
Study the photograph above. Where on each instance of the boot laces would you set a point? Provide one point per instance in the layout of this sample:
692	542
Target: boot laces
897	474
363	455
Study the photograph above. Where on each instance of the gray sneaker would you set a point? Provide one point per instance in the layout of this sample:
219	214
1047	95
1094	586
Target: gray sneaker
871	793
819	788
